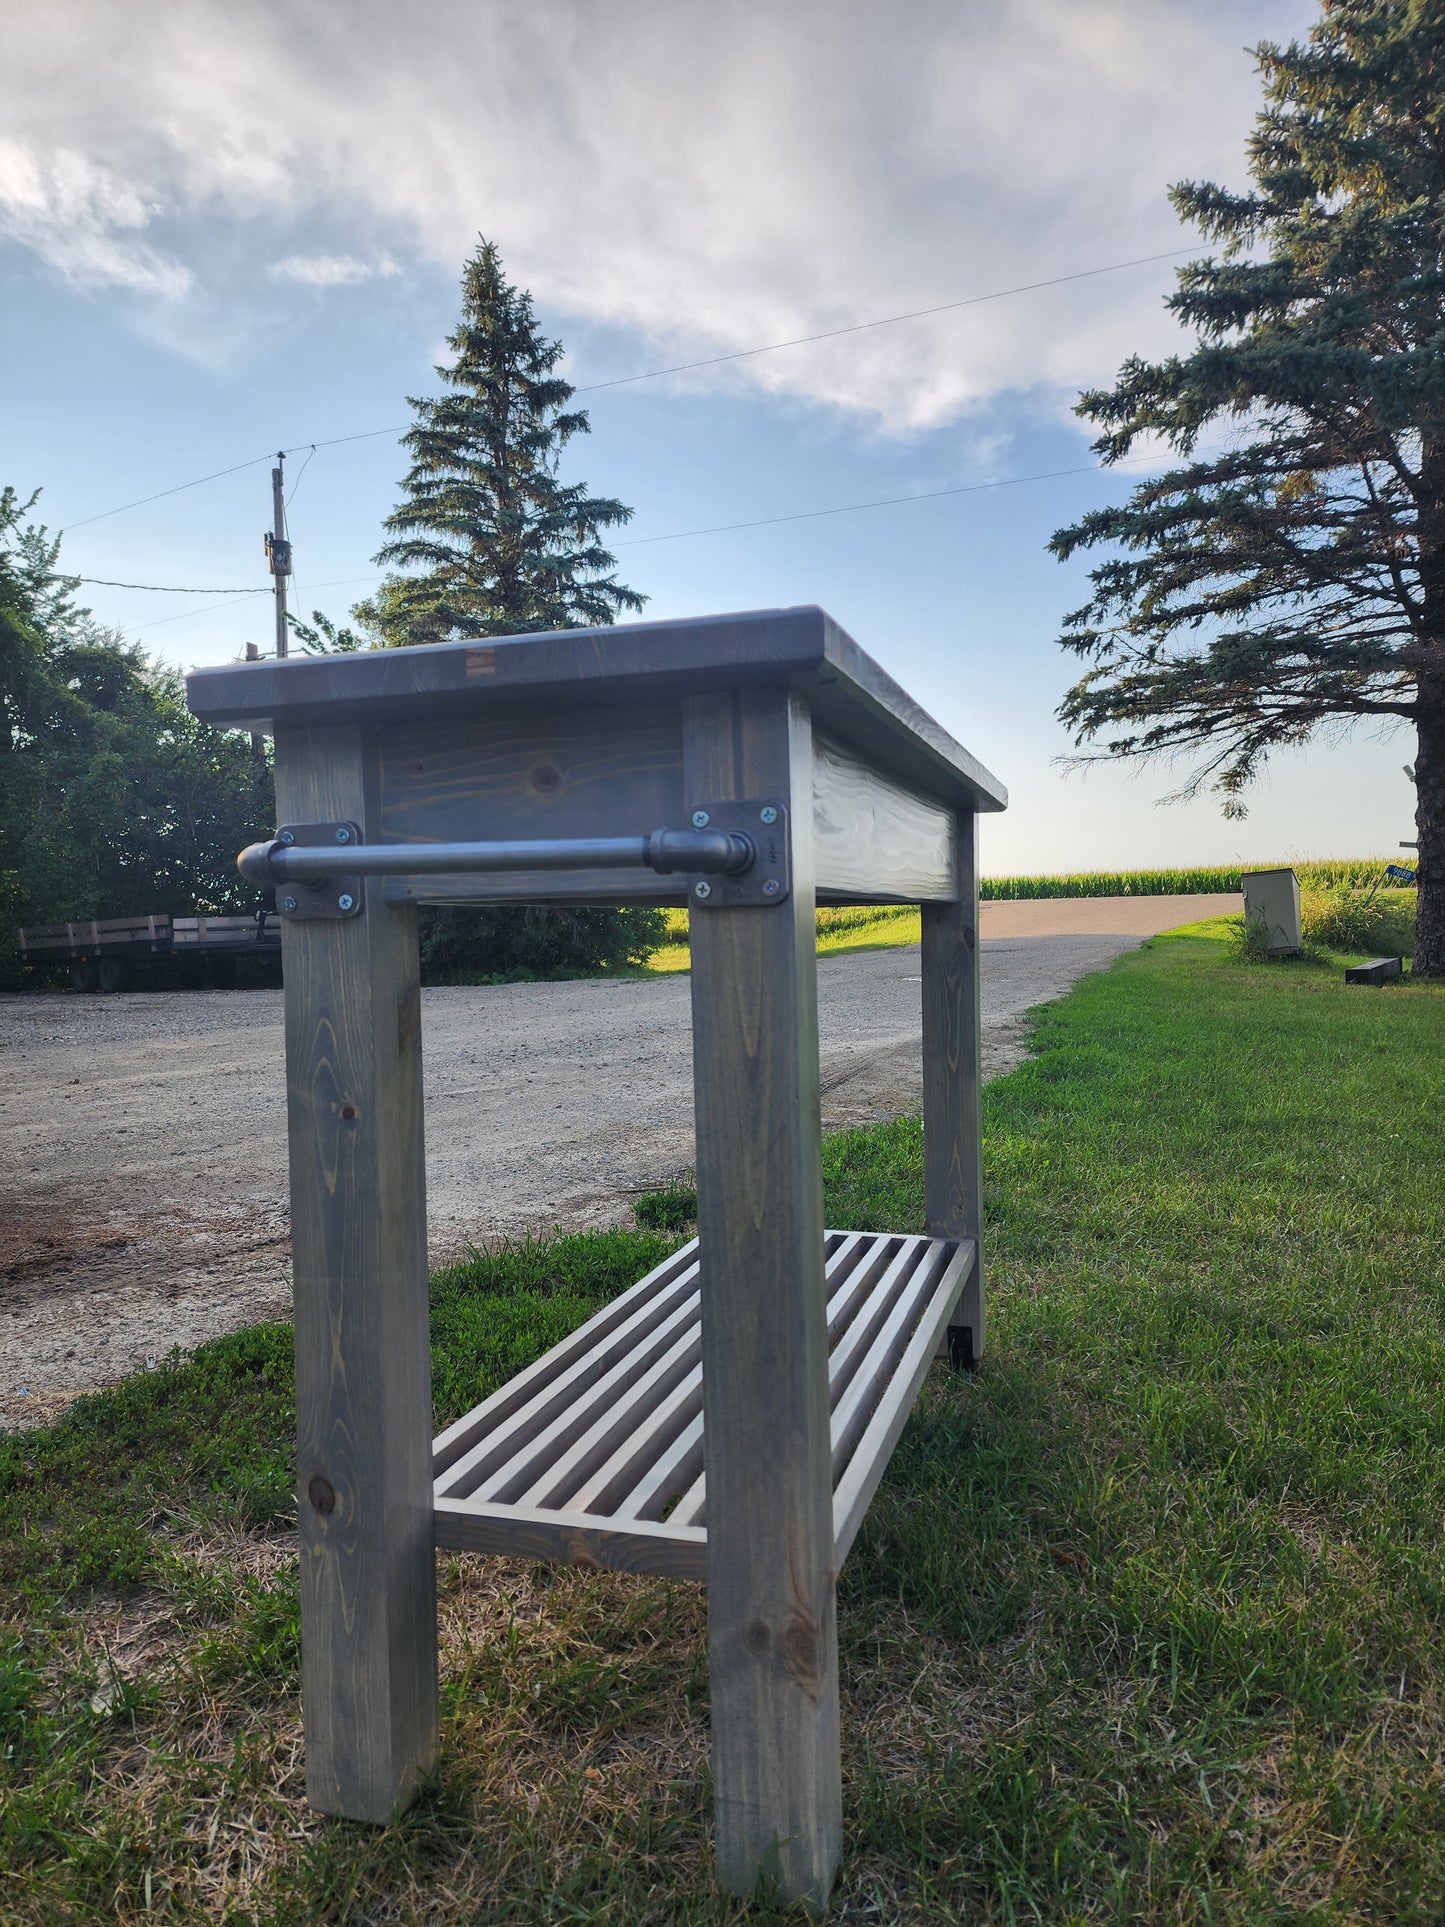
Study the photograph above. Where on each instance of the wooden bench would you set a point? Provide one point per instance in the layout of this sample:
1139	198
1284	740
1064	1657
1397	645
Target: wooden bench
728	1418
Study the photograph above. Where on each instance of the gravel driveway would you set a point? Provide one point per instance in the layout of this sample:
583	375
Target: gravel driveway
143	1198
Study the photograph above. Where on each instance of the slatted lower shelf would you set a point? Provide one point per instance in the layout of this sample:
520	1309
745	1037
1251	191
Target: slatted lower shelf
594	1455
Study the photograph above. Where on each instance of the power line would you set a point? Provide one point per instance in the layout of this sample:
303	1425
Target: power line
656	374
337	582
160	588
299	473
853	508
765	521
885	321
161	493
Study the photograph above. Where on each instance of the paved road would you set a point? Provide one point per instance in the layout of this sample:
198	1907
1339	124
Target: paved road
142	1138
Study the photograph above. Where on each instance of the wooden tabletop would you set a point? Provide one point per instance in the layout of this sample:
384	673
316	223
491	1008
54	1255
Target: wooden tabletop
850	696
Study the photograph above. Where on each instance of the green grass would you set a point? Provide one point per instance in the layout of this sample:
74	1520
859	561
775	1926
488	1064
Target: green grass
1145	1623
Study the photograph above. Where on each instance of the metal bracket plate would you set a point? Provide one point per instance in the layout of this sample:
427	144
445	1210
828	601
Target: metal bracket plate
308	899
770	878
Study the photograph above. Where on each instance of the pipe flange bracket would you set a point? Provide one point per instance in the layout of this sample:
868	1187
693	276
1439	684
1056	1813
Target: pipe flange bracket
769	879
312	899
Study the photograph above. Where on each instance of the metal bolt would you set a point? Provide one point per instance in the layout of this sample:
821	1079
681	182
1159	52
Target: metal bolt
343	835
771	887
767	814
288	903
288	837
345	902
700	819
703	889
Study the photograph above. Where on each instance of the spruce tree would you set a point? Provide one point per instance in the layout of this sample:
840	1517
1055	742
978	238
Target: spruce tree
492	542
1294	579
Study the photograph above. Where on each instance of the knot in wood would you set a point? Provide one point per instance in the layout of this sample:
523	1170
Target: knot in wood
322	1494
801	1648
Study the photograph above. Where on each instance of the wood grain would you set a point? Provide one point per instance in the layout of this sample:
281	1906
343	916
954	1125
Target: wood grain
578	1539
952	1040
772	1633
560	771
363	1371
873	838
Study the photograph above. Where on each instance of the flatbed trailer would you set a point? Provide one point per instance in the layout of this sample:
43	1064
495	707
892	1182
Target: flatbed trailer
108	953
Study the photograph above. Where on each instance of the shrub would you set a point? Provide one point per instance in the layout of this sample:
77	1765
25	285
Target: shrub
1353	916
512	943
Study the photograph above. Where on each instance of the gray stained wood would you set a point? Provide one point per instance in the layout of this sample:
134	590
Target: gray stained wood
873	837
363	1369
952	1039
728	1419
565	772
772	1630
850	697
594	1454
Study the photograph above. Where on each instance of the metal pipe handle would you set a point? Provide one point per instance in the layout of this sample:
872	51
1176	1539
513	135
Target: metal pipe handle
714	852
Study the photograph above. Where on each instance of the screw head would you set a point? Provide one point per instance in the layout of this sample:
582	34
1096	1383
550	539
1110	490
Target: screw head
767	814
343	835
771	887
288	903
700	819
703	889
345	902
288	837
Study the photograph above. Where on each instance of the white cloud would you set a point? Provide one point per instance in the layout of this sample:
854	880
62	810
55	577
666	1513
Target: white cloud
82	220
330	270
713	173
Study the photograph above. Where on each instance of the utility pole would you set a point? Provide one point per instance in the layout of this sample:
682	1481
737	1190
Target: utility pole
258	742
278	549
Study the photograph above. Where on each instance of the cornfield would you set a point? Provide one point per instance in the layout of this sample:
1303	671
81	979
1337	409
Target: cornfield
838	922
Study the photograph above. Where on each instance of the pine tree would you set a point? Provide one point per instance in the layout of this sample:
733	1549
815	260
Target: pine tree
492	541
1295	579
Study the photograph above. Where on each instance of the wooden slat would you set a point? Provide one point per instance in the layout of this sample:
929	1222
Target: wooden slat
592	1485
885	1263
539	1444
476	1426
851	1265
581	1539
870	1458
887	1340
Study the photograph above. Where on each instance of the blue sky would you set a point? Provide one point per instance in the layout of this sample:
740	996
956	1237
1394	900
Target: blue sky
243	230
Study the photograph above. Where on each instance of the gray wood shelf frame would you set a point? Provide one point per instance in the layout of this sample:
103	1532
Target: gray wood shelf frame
728	1418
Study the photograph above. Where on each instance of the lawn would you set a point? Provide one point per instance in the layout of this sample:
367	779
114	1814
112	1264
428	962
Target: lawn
1145	1624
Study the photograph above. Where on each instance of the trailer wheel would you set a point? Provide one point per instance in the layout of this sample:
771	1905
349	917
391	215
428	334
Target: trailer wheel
84	975
114	973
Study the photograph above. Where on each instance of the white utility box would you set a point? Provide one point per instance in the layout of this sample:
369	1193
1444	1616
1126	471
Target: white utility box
1271	897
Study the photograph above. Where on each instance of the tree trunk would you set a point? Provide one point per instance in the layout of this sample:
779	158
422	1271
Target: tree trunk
1430	832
